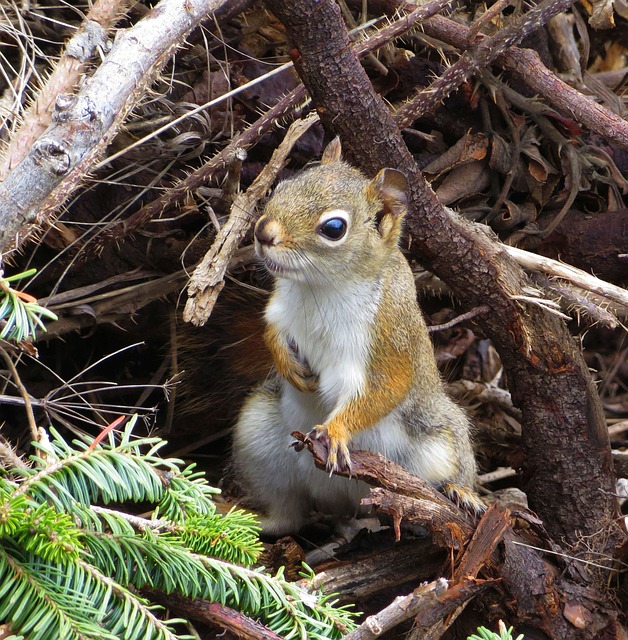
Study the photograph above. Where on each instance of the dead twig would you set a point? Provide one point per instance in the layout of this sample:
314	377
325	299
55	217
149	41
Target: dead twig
208	278
28	406
458	319
576	276
86	123
577	302
431	622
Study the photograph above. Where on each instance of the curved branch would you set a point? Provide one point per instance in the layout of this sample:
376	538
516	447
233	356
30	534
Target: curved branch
479	56
526	67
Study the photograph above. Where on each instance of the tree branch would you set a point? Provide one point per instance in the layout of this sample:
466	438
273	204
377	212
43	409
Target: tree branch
85	124
526	67
477	57
208	278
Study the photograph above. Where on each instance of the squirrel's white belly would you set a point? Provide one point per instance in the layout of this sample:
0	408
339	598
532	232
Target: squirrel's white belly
331	328
335	345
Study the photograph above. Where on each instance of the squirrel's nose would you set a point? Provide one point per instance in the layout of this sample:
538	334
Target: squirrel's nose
267	232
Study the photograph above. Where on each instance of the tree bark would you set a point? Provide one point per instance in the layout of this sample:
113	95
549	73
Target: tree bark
568	469
593	242
84	124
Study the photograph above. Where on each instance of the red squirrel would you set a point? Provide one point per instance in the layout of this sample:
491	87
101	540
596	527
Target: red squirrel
353	358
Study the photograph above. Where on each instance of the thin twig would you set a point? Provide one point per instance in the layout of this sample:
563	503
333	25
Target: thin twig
30	416
458	319
208	278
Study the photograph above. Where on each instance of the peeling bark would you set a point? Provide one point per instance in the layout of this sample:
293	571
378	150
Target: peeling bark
84	124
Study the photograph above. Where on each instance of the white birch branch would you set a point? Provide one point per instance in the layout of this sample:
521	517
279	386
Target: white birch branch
574	275
63	79
84	124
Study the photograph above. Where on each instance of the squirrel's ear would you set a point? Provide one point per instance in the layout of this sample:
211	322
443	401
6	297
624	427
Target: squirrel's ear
392	187
333	151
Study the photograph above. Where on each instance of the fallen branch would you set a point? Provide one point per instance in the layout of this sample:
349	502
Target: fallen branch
435	600
403	496
477	57
84	124
208	278
536	590
407	561
526	66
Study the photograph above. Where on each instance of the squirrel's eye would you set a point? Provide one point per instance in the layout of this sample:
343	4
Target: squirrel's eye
333	229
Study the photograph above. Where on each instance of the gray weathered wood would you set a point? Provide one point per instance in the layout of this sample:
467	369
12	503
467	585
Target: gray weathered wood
84	124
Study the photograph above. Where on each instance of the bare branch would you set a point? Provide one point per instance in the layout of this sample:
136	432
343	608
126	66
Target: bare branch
86	123
207	280
574	275
477	57
91	35
527	67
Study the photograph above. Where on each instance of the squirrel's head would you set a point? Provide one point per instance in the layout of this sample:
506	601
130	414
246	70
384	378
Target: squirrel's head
330	221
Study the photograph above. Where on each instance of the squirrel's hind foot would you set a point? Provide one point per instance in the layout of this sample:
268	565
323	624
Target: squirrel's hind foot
465	497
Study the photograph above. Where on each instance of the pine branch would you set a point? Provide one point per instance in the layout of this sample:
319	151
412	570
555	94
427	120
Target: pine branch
71	570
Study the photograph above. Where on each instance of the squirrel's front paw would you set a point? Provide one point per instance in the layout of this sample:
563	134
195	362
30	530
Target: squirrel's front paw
299	374
338	458
301	378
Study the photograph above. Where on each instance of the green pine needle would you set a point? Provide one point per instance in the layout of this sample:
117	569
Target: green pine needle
504	634
20	318
71	569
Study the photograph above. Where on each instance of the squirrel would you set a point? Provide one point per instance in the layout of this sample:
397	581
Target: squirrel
353	358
